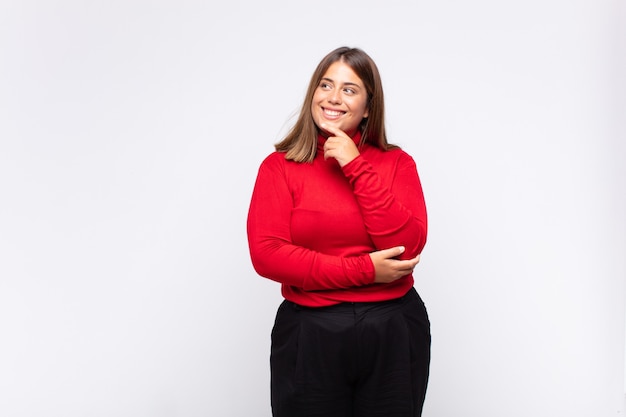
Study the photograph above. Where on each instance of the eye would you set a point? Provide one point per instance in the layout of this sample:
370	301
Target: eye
349	91
325	86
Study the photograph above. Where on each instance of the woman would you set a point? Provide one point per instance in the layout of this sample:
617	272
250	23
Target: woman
337	216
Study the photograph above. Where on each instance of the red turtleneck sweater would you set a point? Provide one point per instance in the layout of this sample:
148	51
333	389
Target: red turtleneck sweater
311	226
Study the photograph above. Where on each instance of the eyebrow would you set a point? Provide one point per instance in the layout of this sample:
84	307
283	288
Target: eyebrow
347	83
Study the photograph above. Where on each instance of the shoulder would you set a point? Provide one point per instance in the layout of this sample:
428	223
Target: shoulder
274	159
403	156
276	162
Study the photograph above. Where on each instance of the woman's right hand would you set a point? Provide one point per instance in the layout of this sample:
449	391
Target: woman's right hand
389	269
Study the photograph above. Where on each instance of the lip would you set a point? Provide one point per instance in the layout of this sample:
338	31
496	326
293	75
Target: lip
332	114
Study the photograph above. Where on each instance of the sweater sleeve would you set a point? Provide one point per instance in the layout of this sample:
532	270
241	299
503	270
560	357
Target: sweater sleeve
394	214
272	252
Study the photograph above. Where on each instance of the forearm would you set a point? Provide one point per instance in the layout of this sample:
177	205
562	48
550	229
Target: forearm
309	270
394	213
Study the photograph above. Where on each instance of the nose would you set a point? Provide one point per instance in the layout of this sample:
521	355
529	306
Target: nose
334	97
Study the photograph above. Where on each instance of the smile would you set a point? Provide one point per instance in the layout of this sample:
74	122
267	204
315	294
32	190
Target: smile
333	113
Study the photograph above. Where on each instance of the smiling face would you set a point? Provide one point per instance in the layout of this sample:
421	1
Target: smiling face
340	99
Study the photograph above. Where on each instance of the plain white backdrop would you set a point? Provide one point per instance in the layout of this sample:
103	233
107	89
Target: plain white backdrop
130	136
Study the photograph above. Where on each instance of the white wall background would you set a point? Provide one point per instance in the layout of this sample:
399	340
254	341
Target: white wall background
130	136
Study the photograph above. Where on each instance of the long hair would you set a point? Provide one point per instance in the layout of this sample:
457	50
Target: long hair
300	143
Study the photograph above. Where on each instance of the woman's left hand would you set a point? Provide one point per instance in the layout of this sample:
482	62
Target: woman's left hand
339	146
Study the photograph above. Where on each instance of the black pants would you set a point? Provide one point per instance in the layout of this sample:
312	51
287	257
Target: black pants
351	359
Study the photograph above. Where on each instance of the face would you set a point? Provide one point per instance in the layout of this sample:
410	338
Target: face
340	99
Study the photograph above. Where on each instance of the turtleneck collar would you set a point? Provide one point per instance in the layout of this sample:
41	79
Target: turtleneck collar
321	139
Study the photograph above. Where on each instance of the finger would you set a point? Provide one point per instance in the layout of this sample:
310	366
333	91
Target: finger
410	263
392	252
398	250
334	130
414	261
405	265
328	151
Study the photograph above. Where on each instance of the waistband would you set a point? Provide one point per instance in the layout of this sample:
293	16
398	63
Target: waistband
411	294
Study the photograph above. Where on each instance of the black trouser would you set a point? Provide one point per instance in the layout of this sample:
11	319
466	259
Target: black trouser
351	359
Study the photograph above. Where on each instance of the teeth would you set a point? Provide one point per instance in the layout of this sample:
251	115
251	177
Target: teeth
333	112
